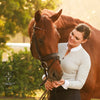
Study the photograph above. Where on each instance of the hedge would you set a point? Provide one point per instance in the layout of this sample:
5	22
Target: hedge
20	75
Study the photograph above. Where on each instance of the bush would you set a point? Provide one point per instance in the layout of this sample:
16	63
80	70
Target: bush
20	75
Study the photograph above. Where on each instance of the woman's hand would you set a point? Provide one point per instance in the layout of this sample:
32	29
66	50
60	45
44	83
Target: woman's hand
58	83
48	85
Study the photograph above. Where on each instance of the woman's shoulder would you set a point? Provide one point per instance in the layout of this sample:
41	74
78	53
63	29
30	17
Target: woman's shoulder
84	53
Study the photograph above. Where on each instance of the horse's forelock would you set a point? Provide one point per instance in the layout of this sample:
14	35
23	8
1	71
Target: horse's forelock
47	12
47	23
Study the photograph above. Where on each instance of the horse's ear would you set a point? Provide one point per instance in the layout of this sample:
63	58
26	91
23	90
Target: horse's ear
56	16
38	16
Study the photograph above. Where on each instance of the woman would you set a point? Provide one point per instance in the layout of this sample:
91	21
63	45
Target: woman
75	63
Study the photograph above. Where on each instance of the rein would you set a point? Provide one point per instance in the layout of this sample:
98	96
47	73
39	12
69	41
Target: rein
43	60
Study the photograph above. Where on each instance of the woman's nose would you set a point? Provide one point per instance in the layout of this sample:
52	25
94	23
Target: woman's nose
72	37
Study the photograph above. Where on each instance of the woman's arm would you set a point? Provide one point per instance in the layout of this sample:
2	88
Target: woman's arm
81	75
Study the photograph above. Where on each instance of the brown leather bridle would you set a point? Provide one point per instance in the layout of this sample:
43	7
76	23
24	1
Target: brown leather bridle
43	59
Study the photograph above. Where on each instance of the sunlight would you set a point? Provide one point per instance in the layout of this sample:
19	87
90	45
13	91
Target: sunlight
43	0
93	12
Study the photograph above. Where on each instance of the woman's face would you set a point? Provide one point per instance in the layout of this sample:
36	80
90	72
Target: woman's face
75	38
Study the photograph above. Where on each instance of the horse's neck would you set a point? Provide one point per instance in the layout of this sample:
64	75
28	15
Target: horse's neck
65	24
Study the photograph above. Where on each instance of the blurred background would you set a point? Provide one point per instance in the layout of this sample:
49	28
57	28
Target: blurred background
20	73
85	10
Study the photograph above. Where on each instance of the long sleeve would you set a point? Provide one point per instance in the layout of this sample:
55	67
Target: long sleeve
82	74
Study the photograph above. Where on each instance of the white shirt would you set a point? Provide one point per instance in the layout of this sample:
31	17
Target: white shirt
75	66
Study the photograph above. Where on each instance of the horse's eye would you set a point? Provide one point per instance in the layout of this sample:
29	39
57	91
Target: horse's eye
40	41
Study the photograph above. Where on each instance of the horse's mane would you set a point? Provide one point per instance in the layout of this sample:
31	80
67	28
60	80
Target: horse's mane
60	23
63	19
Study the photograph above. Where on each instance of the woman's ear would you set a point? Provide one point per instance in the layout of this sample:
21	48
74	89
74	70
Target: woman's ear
85	40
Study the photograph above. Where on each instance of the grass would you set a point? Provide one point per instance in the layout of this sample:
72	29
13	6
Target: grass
25	99
37	95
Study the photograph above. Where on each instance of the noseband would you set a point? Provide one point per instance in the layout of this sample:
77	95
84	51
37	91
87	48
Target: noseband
43	59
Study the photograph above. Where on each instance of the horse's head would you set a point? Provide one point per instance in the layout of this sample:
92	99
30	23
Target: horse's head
44	43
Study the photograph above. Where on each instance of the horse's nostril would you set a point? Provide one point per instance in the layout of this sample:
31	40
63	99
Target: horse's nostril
54	74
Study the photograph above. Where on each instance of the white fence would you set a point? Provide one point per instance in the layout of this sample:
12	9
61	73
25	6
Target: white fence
18	44
16	47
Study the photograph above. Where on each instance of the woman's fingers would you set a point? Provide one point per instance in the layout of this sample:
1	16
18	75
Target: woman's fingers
61	82
48	85
58	83
55	84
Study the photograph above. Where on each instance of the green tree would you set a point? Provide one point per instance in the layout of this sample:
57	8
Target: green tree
16	14
20	75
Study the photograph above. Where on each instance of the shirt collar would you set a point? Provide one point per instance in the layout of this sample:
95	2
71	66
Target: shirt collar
76	48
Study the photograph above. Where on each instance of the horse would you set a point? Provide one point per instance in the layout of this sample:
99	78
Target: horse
44	39
64	25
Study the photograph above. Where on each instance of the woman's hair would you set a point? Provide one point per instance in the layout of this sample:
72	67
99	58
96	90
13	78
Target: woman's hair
84	29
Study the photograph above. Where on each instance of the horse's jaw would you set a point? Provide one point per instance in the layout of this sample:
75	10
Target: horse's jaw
55	73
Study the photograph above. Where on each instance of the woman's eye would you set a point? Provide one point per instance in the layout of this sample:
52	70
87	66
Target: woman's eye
77	38
72	33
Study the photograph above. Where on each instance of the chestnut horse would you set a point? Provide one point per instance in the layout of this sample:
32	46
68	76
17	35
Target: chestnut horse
44	44
65	25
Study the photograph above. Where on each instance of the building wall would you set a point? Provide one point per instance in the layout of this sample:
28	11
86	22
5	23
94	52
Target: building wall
19	38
